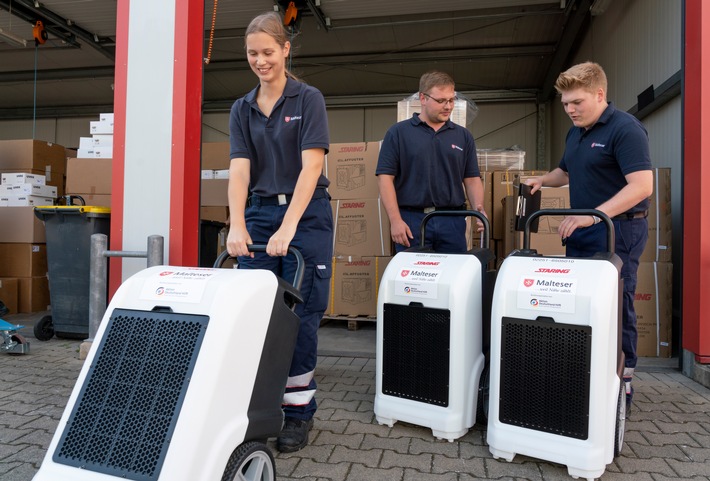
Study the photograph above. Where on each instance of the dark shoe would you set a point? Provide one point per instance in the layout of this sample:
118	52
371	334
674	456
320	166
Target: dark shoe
3	309
629	397
294	435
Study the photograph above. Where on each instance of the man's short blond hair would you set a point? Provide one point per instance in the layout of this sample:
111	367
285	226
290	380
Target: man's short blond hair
433	79
589	76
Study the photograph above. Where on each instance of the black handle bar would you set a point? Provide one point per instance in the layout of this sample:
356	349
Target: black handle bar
300	263
463	213
593	212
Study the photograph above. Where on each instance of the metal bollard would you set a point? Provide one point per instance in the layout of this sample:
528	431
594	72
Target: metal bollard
98	268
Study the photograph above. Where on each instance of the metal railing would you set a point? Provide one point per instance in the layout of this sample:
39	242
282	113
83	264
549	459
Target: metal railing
98	268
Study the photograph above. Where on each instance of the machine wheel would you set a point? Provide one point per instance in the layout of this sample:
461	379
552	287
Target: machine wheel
251	461
44	329
484	388
620	420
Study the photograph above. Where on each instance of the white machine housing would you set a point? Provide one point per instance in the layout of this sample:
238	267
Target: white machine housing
554	295
232	394
429	342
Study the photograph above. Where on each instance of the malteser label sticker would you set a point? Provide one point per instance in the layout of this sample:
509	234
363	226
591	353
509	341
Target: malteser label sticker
541	293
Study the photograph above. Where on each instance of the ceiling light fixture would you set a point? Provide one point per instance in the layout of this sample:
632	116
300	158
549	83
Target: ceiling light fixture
12	39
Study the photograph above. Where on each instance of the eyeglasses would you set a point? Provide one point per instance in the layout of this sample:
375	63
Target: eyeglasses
441	101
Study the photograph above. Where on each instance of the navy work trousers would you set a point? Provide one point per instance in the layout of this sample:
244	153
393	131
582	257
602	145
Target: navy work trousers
314	239
630	238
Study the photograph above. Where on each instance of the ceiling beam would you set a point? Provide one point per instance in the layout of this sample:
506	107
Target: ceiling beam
59	26
574	26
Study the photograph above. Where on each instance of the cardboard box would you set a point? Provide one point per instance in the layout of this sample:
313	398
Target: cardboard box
96	152
654	309
215	155
25	200
101	127
218	213
9	293
504	184
17	178
23	260
356	284
362	228
89	176
658	247
56	181
33	294
351	170
26	227
213	192
33	156
39	190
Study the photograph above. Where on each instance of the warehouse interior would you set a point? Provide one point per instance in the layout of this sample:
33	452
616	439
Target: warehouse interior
366	56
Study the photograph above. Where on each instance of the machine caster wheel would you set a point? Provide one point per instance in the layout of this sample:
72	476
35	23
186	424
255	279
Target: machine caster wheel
251	461
484	389
620	420
44	329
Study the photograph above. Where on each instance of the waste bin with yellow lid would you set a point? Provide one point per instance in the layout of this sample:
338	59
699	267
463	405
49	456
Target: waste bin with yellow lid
68	230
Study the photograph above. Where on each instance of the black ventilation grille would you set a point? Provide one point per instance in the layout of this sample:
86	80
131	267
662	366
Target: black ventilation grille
126	412
415	360
544	381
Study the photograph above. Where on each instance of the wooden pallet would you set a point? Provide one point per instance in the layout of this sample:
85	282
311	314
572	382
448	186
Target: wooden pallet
353	321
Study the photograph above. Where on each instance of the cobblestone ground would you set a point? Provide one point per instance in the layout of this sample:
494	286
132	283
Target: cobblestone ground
667	435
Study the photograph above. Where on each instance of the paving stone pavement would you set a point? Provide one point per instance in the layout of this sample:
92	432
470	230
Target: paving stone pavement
667	435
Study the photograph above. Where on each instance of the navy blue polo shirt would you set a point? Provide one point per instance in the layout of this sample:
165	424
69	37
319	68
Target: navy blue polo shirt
274	144
598	159
428	166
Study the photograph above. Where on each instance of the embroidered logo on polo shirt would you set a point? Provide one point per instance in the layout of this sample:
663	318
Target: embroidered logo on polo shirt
595	144
288	119
454	146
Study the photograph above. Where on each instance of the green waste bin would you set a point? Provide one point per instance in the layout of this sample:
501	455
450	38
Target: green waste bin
68	230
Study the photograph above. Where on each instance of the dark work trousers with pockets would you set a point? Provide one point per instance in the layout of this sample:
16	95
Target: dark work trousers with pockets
630	238
314	239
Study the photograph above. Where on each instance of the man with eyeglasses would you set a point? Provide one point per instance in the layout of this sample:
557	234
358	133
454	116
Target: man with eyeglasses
428	163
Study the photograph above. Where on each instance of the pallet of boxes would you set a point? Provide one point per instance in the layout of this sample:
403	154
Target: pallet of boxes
31	174
362	245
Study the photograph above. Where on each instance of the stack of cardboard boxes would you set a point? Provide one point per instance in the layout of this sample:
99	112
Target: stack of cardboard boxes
654	288
362	245
89	173
32	173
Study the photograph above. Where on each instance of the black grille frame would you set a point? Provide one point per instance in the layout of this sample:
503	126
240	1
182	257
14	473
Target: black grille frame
545	370
130	401
416	353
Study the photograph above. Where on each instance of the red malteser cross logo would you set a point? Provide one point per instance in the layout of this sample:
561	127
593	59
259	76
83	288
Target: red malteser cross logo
528	282
166	273
404	273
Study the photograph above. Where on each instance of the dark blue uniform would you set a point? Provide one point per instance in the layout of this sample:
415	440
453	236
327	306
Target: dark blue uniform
428	167
273	145
597	161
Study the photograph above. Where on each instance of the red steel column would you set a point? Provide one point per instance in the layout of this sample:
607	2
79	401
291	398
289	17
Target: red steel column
187	133
696	177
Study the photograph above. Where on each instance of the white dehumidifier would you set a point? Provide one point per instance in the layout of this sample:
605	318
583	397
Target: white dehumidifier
556	390
431	327
184	380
